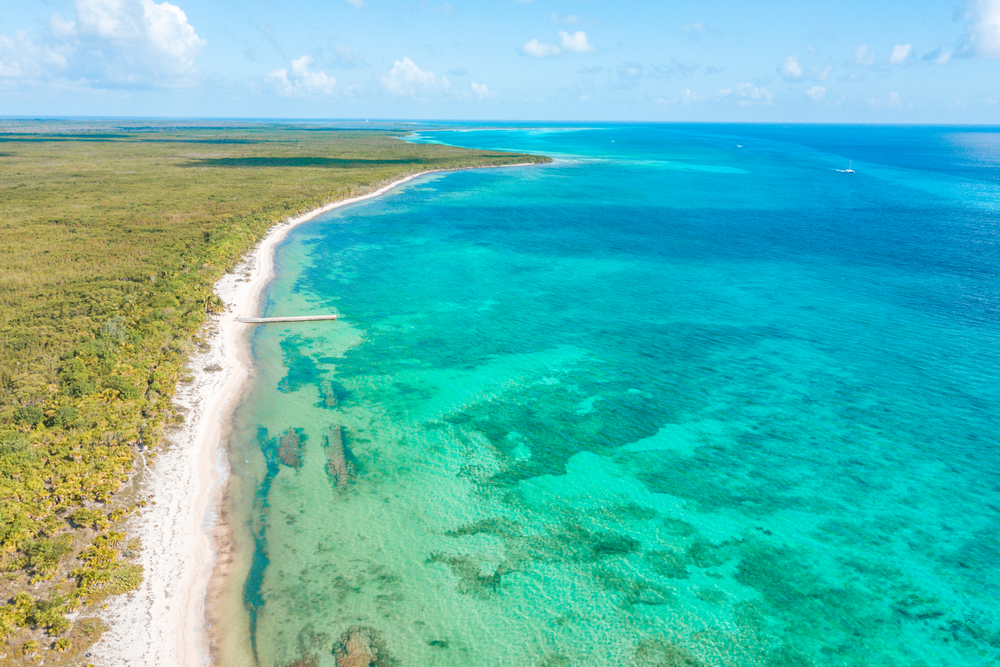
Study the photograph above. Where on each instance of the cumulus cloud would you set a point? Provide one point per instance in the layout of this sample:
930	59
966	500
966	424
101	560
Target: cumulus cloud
892	100
348	58
405	79
60	27
689	96
631	73
170	33
747	94
939	55
790	69
108	42
301	79
162	28
570	19
863	56
900	53
116	20
481	91
541	50
816	93
22	58
982	29
822	74
575	43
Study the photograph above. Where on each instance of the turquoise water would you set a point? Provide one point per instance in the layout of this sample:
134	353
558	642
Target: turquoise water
686	396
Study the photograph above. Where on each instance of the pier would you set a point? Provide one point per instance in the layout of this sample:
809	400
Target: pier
268	320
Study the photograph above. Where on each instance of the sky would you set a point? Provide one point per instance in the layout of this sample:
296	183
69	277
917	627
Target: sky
853	61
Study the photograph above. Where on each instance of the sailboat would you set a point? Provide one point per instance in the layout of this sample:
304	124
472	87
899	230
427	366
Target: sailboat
848	170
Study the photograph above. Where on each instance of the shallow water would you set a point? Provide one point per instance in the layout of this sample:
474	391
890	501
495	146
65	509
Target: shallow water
666	401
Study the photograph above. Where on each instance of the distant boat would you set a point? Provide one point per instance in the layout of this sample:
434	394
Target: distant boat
848	170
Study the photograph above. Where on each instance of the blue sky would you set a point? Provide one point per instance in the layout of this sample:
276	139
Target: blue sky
833	61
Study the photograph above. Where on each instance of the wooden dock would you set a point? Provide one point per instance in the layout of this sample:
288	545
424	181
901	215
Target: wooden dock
268	320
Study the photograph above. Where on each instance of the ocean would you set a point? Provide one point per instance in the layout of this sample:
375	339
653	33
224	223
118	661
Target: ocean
691	395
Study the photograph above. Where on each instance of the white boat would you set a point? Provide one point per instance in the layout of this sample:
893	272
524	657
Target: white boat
848	170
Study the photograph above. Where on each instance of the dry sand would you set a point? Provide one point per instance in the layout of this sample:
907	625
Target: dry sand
163	623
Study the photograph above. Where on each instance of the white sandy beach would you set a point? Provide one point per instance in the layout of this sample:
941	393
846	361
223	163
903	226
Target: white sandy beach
163	623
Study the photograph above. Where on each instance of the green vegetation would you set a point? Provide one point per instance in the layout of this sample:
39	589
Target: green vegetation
111	238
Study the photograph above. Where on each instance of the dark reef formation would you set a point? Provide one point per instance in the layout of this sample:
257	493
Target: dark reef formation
361	646
290	449
659	653
328	394
339	466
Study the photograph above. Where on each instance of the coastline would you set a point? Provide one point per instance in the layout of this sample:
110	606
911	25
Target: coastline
186	543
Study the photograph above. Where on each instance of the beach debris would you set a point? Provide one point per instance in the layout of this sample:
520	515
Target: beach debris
290	449
360	646
338	467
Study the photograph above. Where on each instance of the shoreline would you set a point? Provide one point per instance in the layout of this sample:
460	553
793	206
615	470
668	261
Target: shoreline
186	545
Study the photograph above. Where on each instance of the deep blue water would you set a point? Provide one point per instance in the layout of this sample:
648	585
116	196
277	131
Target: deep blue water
687	396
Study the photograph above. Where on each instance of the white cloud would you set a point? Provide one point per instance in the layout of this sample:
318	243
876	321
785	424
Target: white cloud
689	96
816	93
348	58
938	55
790	69
170	33
576	43
632	73
22	58
301	80
481	91
695	27
863	56
982	30
748	94
116	20
110	42
61	27
360	4
821	75
541	50
159	33
570	19
900	53
407	80
891	101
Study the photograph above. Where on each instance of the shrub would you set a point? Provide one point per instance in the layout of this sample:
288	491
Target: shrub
48	614
124	388
114	330
43	555
13	447
66	417
76	378
28	415
84	518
